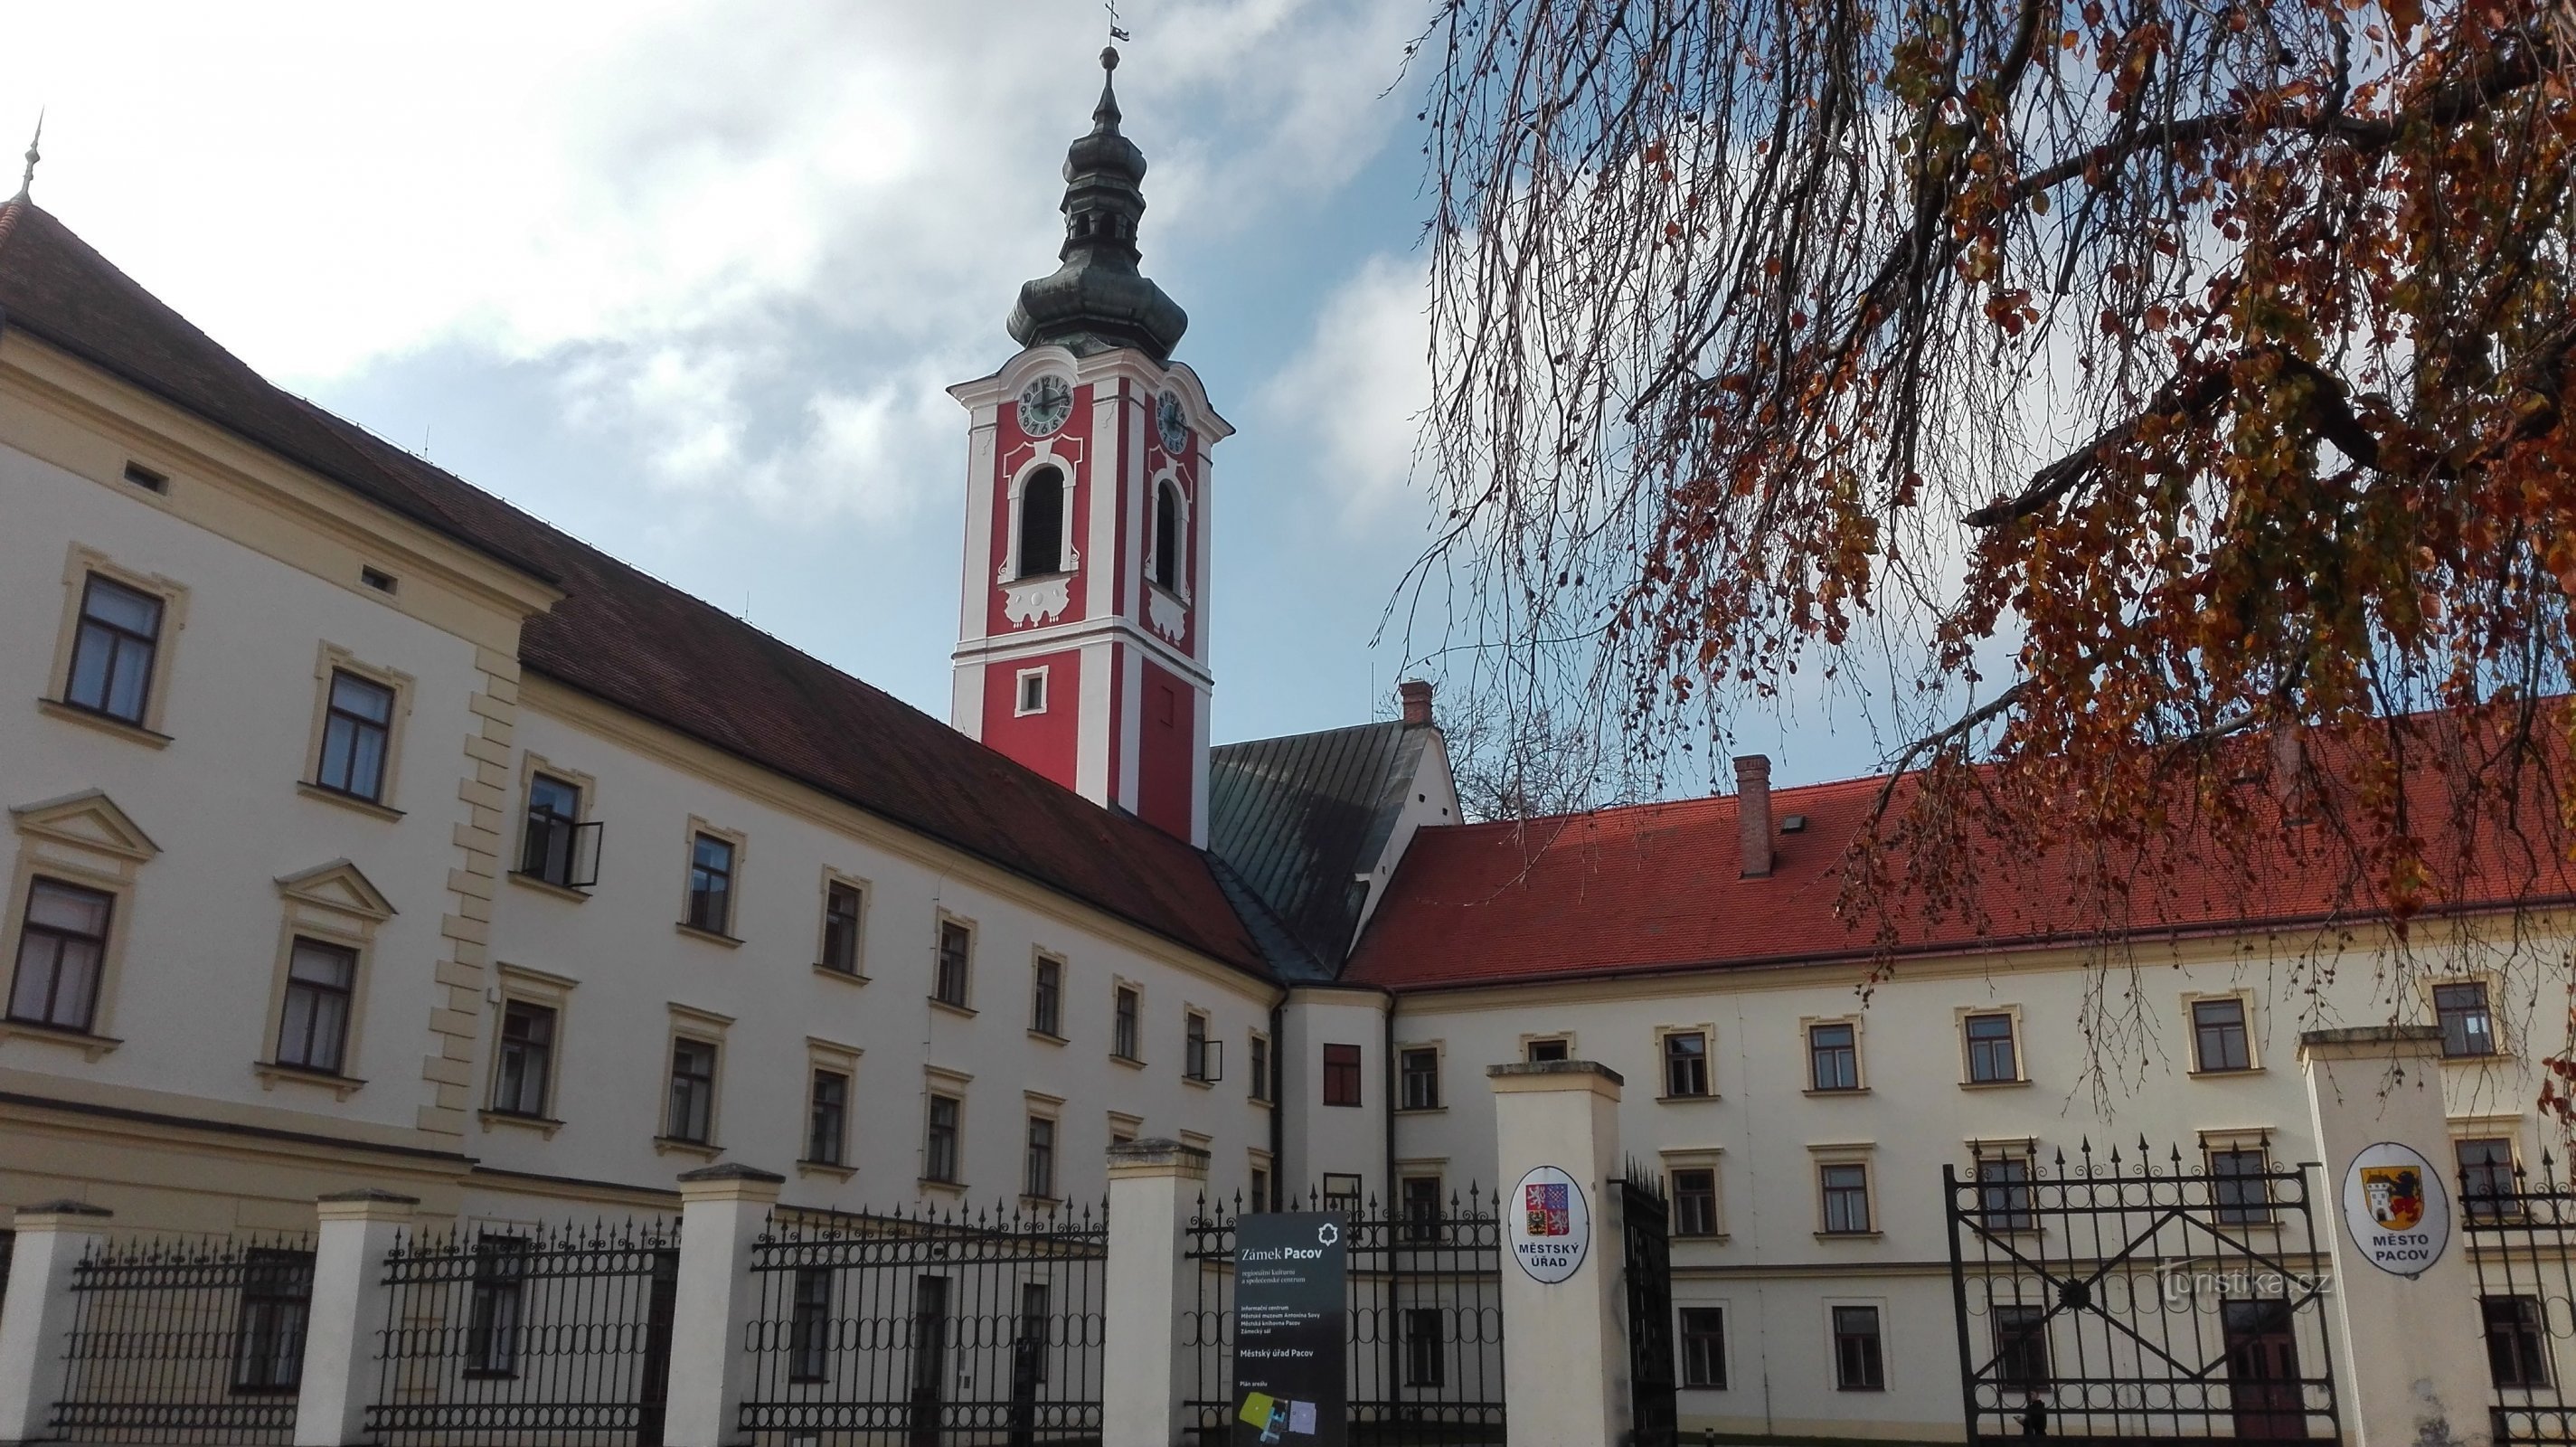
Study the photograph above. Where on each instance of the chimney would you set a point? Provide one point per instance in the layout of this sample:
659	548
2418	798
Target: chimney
1416	696
1753	812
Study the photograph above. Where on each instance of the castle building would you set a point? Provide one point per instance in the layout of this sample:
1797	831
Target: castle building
366	831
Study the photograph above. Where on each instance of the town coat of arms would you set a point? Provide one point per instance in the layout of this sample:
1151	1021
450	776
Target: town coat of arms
2396	1195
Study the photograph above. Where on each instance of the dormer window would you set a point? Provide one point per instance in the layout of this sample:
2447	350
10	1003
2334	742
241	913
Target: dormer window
1167	538
1042	524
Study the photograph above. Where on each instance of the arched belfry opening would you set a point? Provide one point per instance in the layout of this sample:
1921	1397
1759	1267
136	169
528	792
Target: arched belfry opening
1042	524
1167	538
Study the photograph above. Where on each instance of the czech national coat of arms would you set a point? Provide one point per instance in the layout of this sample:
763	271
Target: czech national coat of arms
1549	1213
2396	1195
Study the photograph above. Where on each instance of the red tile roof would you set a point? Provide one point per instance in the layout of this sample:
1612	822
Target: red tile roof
1657	888
640	643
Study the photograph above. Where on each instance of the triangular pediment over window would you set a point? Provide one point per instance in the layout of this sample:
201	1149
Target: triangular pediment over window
87	820
338	886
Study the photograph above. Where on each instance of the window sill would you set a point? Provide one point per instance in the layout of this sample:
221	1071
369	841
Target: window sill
2226	1074
132	733
710	936
1707	1097
543	885
965	1012
1048	1036
846	977
368	807
667	1146
1832	1094
1994	1084
1706	1238
340	1086
90	1046
545	1126
1850	1235
1042	1203
927	1186
1420	1109
1201	1081
1130	1061
826	1170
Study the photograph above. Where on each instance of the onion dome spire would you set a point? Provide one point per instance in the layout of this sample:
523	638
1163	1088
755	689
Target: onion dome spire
1098	300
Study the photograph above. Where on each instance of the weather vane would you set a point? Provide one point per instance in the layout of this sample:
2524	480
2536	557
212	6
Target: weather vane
1114	32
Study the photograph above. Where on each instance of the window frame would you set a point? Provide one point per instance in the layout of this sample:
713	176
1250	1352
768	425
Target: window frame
346	993
1021	707
1711	1346
1807	1029
577	880
2019	1213
2239	1212
809	1325
1041	1152
1177	586
1713	1228
722	931
546	1052
1337	1073
2023	1359
705	1137
284	1296
2530	1368
856	969
1426	1354
336	905
491	1285
334	661
1264	1067
1068	559
1343	1190
2501	1204
87	842
1126	1021
958	926
82	564
1871	1358
1970	1046
1413	1226
2244	1002
826	1146
1860	1155
938	1093
117	639
1202	1053
1046	996
2485	1014
1557	1048
1407	1077
1666	1060
24	926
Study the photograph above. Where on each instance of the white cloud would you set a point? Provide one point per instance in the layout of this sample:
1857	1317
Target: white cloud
1359	387
754	240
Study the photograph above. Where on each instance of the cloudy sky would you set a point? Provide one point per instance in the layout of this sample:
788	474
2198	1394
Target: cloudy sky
688	278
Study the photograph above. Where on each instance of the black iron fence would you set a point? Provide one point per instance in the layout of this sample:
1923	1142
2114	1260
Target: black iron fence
2519	1233
1425	1319
555	1335
187	1341
2129	1297
929	1328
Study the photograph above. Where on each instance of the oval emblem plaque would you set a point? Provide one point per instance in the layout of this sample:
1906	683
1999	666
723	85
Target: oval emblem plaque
2396	1209
1549	1225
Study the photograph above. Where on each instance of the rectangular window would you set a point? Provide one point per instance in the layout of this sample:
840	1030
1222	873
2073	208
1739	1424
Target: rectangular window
1341	1075
1695	1202
1033	689
120	628
1200	1059
2003	1193
1992	1060
1846	1189
2467	1028
827	1119
1833	1057
1123	1032
1704	1347
711	884
939	1141
2487	1191
1046	998
558	847
1554	1048
62	947
313	1029
841	928
1420	1197
2238	1186
494	1313
1424	1353
268	1325
1040	1175
1341	1191
357	732
2517	1341
809	1328
1686	1063
693	1092
526	1063
1418	1071
956	955
1260	1192
2218	1035
1859	1366
2021	1348
1029	1341
1263	1087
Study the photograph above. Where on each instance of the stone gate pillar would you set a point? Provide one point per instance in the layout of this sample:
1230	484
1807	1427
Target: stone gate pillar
1565	1342
2410	1350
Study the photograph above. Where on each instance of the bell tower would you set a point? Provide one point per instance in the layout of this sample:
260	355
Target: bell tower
1082	629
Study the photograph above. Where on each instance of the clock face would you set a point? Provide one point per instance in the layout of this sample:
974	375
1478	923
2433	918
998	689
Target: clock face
1044	406
1173	422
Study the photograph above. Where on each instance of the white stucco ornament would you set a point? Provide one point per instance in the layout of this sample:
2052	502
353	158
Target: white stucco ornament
2396	1209
1549	1225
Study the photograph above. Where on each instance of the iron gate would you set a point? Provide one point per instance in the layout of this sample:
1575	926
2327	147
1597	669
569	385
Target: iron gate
1645	1231
2519	1233
1424	1310
2127	1298
185	1340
